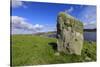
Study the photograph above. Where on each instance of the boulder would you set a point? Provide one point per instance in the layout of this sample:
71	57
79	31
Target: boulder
69	34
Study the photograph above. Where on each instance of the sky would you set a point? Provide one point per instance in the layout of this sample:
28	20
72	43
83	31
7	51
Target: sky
32	17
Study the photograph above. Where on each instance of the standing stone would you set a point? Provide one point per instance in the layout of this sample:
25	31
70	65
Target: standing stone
69	34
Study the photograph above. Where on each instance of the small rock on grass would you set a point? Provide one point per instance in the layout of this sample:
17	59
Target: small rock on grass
87	58
57	54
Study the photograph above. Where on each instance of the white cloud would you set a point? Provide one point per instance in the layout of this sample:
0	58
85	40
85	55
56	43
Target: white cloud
20	23
88	16
90	25
17	3
69	10
37	26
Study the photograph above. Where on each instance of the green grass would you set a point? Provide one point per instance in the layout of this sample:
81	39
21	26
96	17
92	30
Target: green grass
35	50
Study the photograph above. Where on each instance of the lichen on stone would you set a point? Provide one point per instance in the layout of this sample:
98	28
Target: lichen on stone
70	34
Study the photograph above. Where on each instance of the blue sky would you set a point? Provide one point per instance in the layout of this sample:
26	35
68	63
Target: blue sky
32	17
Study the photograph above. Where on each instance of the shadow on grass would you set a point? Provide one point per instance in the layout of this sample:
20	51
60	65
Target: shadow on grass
53	45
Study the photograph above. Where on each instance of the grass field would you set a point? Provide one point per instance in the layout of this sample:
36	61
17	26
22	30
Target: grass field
36	50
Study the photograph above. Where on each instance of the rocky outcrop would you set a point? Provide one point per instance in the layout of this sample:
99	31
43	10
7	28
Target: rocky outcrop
69	34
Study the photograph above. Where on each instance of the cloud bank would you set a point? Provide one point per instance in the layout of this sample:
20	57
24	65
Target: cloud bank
23	24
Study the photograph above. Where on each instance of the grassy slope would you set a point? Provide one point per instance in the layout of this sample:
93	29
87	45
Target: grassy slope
33	50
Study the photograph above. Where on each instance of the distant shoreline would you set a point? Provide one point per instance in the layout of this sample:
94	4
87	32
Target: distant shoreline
85	30
89	30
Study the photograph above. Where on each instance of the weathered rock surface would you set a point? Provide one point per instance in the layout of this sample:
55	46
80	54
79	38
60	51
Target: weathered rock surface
70	34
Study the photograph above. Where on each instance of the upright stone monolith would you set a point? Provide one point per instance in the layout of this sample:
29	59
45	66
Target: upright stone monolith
70	34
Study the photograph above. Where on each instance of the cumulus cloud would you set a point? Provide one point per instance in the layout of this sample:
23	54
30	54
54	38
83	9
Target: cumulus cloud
23	24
